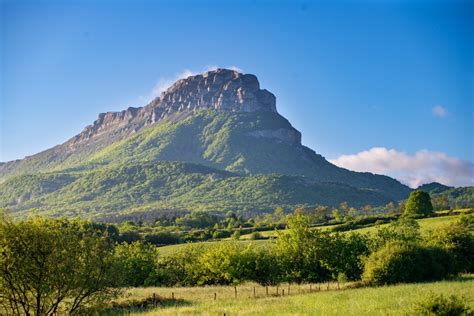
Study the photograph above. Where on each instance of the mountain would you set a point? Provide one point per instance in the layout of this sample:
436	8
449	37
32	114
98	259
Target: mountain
434	187
445	197
213	141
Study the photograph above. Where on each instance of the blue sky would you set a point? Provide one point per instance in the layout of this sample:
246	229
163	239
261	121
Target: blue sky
355	77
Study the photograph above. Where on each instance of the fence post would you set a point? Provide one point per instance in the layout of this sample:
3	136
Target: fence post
154	300
215	296
277	290
282	292
310	288
266	289
254	292
235	290
288	288
172	296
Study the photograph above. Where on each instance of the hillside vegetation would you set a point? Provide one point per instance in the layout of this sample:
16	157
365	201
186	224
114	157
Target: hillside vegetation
205	160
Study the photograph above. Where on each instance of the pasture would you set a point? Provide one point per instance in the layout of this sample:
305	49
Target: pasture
385	300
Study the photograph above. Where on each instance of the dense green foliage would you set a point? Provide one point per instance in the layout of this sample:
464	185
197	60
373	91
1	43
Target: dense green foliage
453	198
401	263
459	241
441	305
165	187
418	204
54	266
137	261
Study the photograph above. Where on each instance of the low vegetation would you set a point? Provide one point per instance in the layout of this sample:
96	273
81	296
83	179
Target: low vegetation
78	264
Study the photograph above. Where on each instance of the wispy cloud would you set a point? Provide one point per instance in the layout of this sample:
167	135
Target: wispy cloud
165	82
439	111
423	167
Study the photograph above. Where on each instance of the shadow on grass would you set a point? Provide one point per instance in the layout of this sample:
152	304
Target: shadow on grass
143	305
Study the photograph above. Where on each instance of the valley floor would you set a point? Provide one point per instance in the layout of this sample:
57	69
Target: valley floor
387	300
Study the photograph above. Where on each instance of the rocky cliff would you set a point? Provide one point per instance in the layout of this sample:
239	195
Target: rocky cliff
221	89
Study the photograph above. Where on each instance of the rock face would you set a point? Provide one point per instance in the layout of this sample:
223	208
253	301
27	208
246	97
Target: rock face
220	89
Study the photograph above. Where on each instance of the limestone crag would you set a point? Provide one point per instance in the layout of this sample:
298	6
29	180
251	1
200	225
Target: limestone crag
220	89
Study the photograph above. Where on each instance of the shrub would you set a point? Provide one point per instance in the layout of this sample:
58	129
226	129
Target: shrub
163	238
256	236
404	230
439	305
418	205
458	240
137	261
398	262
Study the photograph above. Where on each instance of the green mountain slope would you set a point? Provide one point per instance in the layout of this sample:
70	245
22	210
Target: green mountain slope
234	142
168	186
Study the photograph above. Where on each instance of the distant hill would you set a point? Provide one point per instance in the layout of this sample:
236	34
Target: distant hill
212	142
434	187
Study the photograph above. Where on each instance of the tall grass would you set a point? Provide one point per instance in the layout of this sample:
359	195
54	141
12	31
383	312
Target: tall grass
386	300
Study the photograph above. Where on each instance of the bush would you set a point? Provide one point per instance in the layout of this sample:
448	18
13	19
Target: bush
404	263
256	236
163	238
439	305
458	240
138	262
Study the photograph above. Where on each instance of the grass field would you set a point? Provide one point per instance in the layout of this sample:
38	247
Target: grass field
387	300
426	224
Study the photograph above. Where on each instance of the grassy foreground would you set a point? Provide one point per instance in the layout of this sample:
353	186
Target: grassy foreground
387	300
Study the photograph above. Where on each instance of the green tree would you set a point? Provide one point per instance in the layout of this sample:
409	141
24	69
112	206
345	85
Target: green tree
138	262
405	230
418	204
51	266
300	251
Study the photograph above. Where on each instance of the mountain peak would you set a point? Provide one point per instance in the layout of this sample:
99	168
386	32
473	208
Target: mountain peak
219	89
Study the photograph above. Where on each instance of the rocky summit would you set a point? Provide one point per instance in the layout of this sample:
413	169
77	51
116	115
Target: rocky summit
220	89
212	141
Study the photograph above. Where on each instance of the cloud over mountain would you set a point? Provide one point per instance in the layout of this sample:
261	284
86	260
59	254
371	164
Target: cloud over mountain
423	167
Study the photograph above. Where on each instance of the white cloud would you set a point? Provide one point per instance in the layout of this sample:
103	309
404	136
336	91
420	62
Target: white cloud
235	68
423	167
164	83
439	111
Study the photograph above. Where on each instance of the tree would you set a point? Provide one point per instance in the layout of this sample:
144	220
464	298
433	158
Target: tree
390	208
51	266
336	215
418	204
405	230
300	251
138	262
440	202
367	209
